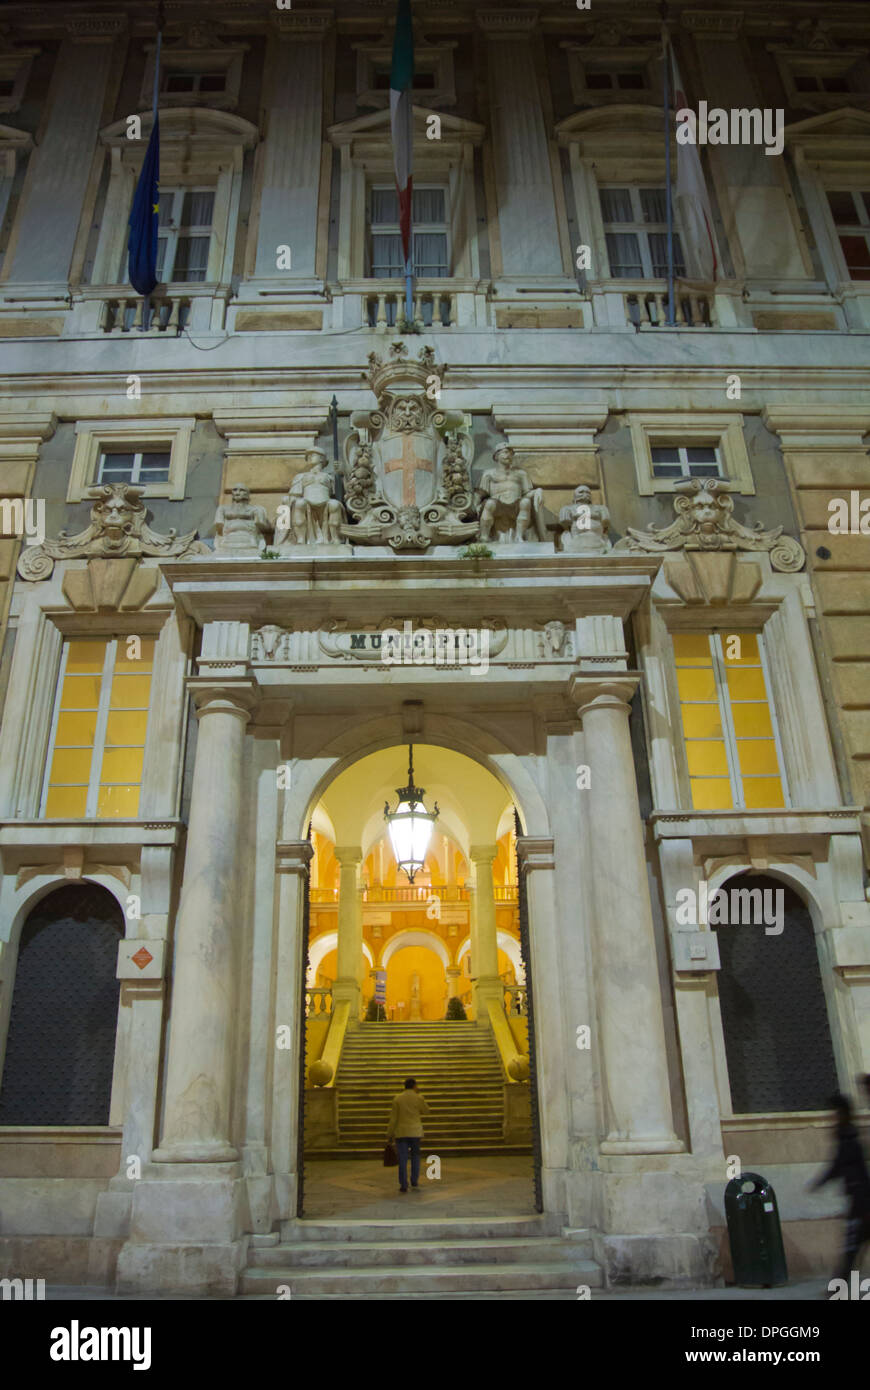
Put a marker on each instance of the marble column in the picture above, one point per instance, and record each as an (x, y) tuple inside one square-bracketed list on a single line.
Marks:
[(485, 942), (346, 987), (454, 973), (196, 1127), (634, 1062)]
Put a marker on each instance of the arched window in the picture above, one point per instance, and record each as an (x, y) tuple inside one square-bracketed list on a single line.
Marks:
[(774, 1018), (60, 1047)]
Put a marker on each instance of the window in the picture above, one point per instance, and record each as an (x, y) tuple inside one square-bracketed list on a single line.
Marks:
[(670, 446), (150, 453), (138, 468), (615, 80), (678, 461), (193, 82), (184, 234), (429, 234), (818, 82), (635, 228), (851, 213), (731, 741), (98, 740)]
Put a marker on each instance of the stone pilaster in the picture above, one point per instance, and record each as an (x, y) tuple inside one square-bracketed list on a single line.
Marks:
[(634, 1061), (292, 863), (825, 458), (527, 225), (290, 172), (59, 175), (346, 988)]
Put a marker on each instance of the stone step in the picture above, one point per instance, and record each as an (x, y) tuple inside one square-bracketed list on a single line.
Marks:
[(382, 1254), (446, 1148), (385, 1281), (399, 1229)]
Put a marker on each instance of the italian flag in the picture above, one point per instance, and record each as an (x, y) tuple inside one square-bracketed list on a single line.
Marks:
[(402, 118)]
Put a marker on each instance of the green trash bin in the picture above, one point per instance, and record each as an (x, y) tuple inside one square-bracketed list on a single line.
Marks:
[(754, 1232)]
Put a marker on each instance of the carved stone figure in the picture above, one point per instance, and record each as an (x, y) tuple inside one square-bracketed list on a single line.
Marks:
[(553, 638), (359, 488), (705, 522), (509, 504), (315, 514), (241, 525), (118, 529), (585, 525)]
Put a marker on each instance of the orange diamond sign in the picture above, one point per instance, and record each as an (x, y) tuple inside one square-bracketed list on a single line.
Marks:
[(142, 957)]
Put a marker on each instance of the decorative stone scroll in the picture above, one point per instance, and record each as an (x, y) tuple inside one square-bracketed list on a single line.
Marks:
[(118, 529), (407, 463), (705, 522)]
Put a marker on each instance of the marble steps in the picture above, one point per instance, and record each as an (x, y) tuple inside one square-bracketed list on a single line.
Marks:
[(380, 1254), (304, 1228), (419, 1259)]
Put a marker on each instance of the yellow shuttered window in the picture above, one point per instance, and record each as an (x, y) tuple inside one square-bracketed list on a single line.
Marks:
[(94, 765), (729, 728)]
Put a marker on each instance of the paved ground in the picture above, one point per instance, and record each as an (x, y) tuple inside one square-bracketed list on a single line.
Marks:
[(364, 1190)]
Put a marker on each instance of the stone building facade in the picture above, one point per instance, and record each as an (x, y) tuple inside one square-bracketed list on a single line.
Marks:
[(193, 650)]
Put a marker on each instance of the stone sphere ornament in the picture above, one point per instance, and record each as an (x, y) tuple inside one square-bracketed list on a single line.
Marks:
[(320, 1073), (518, 1068)]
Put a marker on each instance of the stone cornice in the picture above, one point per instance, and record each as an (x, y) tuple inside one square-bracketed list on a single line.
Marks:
[(293, 856), (818, 426), (536, 852)]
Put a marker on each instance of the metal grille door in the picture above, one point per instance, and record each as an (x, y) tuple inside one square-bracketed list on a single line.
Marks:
[(60, 1049), (774, 1017)]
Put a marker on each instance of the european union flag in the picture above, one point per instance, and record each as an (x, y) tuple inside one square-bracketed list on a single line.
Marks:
[(144, 219)]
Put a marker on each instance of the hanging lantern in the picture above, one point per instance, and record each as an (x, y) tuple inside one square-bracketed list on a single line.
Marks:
[(410, 825)]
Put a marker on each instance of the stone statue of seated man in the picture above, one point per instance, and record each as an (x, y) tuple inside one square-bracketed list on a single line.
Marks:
[(310, 513), (240, 525), (585, 525), (511, 506)]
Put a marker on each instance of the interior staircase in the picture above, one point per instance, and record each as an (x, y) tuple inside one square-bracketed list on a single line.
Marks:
[(462, 1258), (458, 1072)]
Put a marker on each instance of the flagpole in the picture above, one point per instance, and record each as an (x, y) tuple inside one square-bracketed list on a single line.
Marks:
[(149, 307), (669, 198), (409, 292)]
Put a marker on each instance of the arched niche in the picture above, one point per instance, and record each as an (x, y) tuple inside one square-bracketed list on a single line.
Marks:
[(774, 1016), (60, 1048)]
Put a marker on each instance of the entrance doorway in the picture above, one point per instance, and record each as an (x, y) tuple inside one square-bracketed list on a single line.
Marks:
[(426, 979)]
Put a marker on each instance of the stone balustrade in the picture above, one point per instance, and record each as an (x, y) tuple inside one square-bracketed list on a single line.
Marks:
[(318, 1002), (133, 314), (434, 307), (649, 309)]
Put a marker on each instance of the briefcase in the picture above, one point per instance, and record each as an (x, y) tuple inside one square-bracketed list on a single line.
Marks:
[(391, 1158)]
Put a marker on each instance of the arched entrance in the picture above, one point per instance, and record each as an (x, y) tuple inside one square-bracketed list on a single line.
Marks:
[(60, 1047), (425, 978)]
